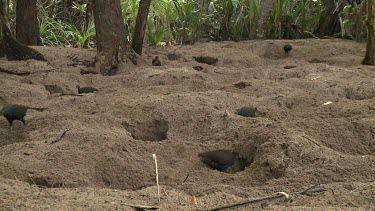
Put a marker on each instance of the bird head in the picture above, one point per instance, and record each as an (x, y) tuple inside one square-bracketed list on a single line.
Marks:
[(78, 87)]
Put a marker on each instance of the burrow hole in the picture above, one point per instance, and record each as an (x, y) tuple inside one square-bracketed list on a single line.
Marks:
[(154, 130)]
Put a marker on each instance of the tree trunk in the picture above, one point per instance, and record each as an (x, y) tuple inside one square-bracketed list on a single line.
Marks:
[(259, 29), (88, 14), (112, 46), (140, 26), (2, 21), (6, 8), (10, 47), (15, 50), (329, 22), (370, 48), (227, 15), (27, 27)]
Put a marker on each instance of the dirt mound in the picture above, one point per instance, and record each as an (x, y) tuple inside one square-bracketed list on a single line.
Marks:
[(314, 124)]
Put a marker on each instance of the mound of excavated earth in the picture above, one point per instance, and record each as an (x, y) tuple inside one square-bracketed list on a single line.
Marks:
[(311, 123)]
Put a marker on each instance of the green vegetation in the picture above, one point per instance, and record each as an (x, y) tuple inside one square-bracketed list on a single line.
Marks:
[(290, 18), (188, 21), (66, 30), (354, 23)]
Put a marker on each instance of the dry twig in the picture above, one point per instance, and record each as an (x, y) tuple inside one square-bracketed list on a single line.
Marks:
[(279, 195), (187, 176), (59, 139), (72, 94), (157, 175), (142, 207), (316, 189), (14, 72)]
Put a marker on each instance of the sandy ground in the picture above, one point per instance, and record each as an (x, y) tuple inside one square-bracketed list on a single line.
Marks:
[(315, 125)]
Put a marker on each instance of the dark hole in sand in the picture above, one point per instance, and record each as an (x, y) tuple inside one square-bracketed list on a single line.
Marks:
[(155, 130), (224, 160)]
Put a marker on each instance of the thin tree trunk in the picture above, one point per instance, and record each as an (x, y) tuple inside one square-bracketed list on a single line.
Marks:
[(2, 21), (329, 22), (27, 27), (88, 13), (112, 46), (14, 5), (6, 9), (370, 48), (140, 26), (227, 14), (259, 29)]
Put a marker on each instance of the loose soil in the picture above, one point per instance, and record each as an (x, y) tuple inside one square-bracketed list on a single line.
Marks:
[(314, 125)]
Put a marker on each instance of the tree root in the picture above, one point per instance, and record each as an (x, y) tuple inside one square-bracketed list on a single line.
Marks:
[(14, 50), (2, 70)]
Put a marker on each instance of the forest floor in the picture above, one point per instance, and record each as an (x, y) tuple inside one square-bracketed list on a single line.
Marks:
[(314, 126)]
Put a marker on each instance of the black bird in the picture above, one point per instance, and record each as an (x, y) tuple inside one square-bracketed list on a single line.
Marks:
[(219, 160), (156, 61), (247, 111), (16, 112), (287, 48), (206, 60), (86, 89)]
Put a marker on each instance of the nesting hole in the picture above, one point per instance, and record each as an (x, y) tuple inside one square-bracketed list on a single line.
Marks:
[(247, 151), (223, 160), (242, 85), (46, 182), (247, 111), (155, 130)]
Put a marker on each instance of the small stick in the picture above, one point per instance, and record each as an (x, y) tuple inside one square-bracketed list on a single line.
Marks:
[(13, 72), (187, 176), (63, 94), (165, 192), (315, 189), (312, 140), (157, 175), (279, 195), (142, 207), (59, 139)]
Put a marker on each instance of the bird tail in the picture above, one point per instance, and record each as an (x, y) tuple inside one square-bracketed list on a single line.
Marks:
[(37, 109)]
